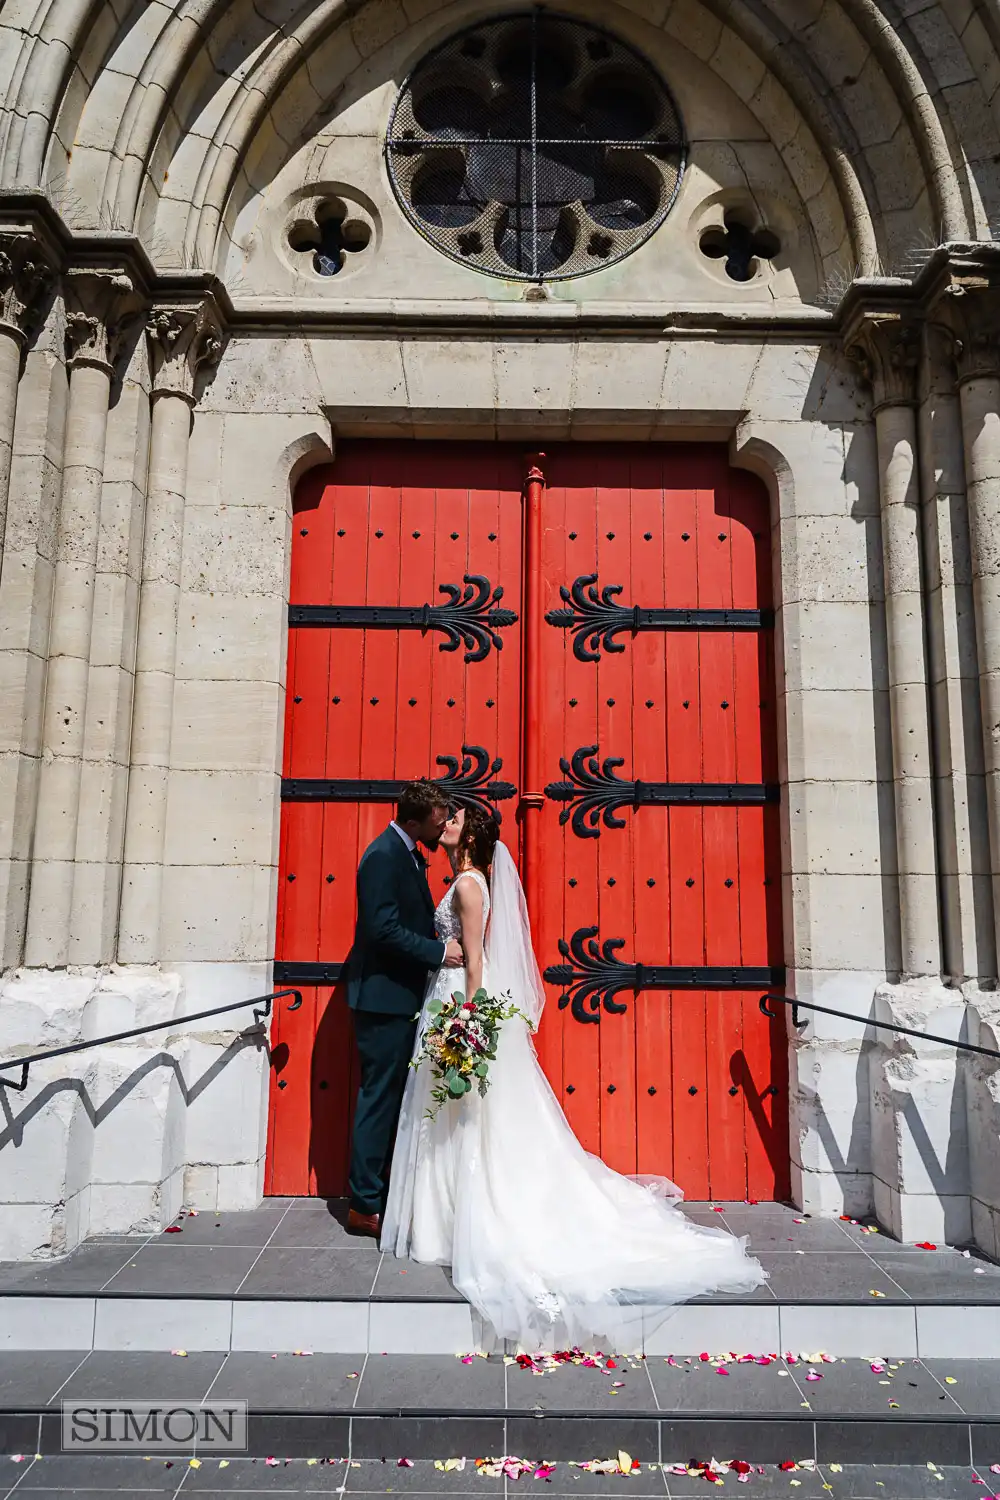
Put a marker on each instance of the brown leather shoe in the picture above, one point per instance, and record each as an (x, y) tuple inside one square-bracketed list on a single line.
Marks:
[(367, 1224)]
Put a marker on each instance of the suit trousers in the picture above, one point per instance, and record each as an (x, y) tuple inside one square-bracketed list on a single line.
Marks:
[(385, 1046)]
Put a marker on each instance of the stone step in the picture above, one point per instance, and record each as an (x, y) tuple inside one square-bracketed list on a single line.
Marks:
[(287, 1276), (54, 1477), (434, 1407)]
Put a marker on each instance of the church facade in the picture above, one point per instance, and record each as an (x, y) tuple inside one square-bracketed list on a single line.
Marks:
[(596, 408)]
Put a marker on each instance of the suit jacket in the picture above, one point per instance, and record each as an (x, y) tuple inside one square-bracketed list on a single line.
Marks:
[(394, 943)]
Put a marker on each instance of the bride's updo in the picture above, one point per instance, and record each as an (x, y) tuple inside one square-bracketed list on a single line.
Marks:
[(480, 832)]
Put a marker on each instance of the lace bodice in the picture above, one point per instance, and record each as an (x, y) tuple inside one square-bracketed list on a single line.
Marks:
[(446, 918)]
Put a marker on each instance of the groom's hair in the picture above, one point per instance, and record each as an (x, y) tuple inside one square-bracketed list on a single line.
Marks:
[(418, 800)]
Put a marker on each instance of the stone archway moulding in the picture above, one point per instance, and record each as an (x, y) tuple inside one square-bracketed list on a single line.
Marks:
[(40, 110)]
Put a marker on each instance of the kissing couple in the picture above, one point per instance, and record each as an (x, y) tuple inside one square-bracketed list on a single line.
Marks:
[(552, 1248)]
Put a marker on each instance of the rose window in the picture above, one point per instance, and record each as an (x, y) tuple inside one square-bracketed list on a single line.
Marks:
[(535, 147)]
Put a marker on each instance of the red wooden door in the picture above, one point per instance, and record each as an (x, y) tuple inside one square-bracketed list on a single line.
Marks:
[(686, 1081)]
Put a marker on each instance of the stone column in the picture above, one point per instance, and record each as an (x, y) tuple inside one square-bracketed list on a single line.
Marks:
[(98, 305), (968, 935), (975, 322), (25, 279), (887, 347), (182, 340)]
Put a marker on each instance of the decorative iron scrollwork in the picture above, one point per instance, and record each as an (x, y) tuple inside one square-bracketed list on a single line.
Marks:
[(593, 976), (594, 793), (596, 619), (471, 618), (467, 784)]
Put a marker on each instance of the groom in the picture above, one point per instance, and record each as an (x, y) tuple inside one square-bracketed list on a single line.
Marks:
[(394, 951)]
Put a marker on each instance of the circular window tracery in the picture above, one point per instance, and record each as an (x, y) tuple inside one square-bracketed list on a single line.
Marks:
[(535, 147)]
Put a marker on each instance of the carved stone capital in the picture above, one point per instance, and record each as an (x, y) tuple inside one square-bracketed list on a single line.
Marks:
[(183, 340), (25, 280), (100, 307), (972, 316), (885, 348)]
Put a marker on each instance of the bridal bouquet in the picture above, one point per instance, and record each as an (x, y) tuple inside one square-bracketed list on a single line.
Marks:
[(460, 1041)]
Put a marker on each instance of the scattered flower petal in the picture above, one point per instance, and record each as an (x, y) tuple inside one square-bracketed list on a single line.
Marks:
[(925, 1245), (404, 1463)]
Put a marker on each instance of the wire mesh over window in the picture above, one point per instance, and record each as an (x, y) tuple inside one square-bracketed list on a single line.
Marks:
[(535, 147)]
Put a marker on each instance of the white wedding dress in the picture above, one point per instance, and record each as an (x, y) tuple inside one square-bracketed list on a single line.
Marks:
[(551, 1247)]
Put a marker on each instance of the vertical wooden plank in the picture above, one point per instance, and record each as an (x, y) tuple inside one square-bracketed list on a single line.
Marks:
[(727, 1156), (570, 552), (291, 1069), (650, 874), (615, 849), (684, 763)]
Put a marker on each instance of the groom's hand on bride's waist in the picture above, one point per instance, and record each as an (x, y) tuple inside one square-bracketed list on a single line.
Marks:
[(454, 958)]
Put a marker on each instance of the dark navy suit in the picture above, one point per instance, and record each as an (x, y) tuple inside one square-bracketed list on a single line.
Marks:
[(394, 950)]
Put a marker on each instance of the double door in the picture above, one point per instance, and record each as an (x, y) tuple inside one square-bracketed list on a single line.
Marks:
[(581, 640)]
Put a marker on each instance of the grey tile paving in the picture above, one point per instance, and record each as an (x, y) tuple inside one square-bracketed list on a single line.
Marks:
[(977, 1385), (852, 1386), (900, 1482), (31, 1379), (575, 1388), (287, 1272), (290, 1382), (826, 1278), (809, 1485), (83, 1473), (253, 1227), (768, 1233), (570, 1480), (407, 1278), (371, 1476), (86, 1270), (321, 1229), (398, 1437), (128, 1375), (295, 1476), (438, 1381), (941, 1276), (697, 1387), (183, 1269)]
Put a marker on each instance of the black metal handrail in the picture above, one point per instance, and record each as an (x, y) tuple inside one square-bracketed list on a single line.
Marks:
[(846, 1015), (260, 1003)]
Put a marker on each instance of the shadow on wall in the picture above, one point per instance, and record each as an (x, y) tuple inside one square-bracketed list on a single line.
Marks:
[(71, 1166)]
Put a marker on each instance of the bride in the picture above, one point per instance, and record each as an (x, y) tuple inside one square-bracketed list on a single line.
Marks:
[(549, 1245)]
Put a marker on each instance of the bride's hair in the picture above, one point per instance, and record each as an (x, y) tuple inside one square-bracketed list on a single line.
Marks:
[(480, 832)]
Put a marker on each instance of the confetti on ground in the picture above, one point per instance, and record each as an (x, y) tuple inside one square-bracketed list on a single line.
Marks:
[(950, 1380), (873, 1293), (180, 1353), (194, 1463)]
